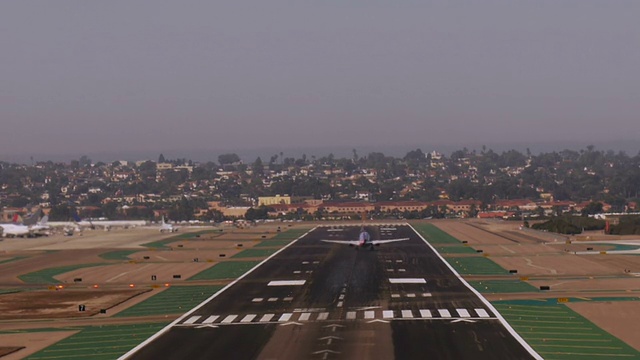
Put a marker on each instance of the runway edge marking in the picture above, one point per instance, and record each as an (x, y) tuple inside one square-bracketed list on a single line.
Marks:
[(187, 314), (482, 298)]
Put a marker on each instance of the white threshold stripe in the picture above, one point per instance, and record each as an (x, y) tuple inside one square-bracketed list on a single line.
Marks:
[(285, 317), (408, 281), (229, 319), (267, 317), (407, 314), (482, 313), (248, 318), (323, 316), (463, 313), (286, 283), (369, 314), (504, 322), (444, 313), (387, 314), (351, 315), (210, 319), (192, 320), (425, 313), (304, 316)]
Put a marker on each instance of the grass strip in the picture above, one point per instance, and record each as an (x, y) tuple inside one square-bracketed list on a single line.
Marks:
[(174, 300)]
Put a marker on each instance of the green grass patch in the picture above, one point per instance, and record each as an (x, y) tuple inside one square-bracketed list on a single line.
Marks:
[(10, 291), (118, 254), (251, 253), (5, 261), (273, 243), (557, 332), (225, 270), (502, 286), (476, 266), (434, 235), (99, 342), (45, 276), (194, 235), (174, 300), (184, 236)]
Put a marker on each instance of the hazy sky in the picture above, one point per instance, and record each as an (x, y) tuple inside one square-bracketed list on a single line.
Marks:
[(118, 76)]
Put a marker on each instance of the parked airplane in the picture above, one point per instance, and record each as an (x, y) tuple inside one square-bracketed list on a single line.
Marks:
[(167, 227), (31, 226), (364, 240), (15, 230)]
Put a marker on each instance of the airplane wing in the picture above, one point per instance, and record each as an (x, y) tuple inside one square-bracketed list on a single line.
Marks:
[(377, 242), (343, 242)]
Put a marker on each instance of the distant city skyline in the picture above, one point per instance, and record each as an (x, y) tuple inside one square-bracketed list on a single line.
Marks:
[(130, 78), (248, 155)]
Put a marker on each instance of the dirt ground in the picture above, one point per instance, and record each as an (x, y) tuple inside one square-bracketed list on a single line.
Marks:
[(567, 264), (621, 319), (60, 303), (135, 273)]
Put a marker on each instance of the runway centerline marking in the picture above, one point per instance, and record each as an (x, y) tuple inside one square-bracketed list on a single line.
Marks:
[(286, 283), (407, 281)]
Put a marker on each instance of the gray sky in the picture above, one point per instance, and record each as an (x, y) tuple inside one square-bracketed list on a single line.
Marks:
[(118, 76)]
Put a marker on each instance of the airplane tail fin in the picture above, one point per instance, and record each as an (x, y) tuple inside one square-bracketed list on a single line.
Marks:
[(163, 222)]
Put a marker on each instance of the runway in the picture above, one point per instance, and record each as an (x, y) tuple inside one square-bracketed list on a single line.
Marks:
[(316, 300)]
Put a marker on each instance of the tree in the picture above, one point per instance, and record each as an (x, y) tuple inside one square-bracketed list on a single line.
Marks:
[(257, 167), (228, 159), (161, 159)]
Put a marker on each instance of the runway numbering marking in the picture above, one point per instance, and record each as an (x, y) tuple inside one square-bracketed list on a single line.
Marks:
[(558, 333)]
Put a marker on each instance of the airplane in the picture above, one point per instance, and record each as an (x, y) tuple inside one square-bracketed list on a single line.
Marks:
[(29, 227), (167, 227), (15, 230), (364, 241)]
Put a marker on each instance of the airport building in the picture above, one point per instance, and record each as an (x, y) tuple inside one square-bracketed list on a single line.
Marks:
[(274, 200)]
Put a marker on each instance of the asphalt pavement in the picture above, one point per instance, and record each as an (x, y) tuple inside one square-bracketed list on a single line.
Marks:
[(317, 300)]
